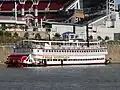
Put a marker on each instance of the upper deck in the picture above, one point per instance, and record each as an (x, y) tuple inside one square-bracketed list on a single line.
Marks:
[(36, 44)]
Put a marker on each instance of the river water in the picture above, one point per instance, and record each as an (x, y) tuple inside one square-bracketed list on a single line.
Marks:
[(93, 77)]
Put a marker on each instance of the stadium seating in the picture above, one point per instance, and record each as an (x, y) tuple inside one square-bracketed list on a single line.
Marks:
[(28, 5), (42, 5), (7, 6), (55, 6)]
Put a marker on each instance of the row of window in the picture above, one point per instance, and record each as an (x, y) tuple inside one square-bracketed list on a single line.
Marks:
[(74, 50), (79, 44), (75, 59), (70, 59)]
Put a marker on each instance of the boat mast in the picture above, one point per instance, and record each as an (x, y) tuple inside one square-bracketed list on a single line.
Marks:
[(87, 34)]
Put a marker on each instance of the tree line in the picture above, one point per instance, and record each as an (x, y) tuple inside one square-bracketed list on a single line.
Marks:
[(8, 37)]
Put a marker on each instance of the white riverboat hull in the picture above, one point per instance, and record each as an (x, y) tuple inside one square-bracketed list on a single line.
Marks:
[(75, 62)]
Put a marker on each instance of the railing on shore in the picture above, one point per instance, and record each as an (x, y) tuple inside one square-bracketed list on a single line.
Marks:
[(7, 45), (113, 42)]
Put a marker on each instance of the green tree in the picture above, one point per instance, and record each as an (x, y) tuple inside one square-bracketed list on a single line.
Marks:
[(26, 28), (26, 35), (107, 38), (3, 27), (8, 34), (99, 38), (56, 36), (37, 36), (15, 34), (90, 37), (1, 33)]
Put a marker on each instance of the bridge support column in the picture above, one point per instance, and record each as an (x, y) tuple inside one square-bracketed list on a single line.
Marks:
[(35, 3), (22, 4)]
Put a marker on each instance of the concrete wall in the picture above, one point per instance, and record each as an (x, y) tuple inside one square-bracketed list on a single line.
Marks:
[(114, 53), (4, 52)]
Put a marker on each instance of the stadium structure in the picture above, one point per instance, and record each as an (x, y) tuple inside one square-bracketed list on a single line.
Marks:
[(99, 15)]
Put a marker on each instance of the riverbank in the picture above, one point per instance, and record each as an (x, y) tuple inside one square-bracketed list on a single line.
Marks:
[(2, 65), (114, 52)]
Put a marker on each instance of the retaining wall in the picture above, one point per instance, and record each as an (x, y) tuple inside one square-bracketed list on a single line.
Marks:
[(4, 52)]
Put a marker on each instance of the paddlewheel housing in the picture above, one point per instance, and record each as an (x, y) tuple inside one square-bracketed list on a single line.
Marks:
[(16, 60)]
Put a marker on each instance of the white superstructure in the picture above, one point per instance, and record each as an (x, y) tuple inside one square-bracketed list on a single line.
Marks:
[(59, 52)]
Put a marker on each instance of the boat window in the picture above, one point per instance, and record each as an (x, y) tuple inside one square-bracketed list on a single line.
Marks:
[(54, 59), (61, 43), (69, 59), (48, 59), (65, 59), (70, 43), (59, 60)]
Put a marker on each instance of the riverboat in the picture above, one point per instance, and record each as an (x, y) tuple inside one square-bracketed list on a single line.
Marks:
[(44, 53)]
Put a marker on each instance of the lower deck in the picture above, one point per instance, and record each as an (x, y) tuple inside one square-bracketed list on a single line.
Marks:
[(42, 60)]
